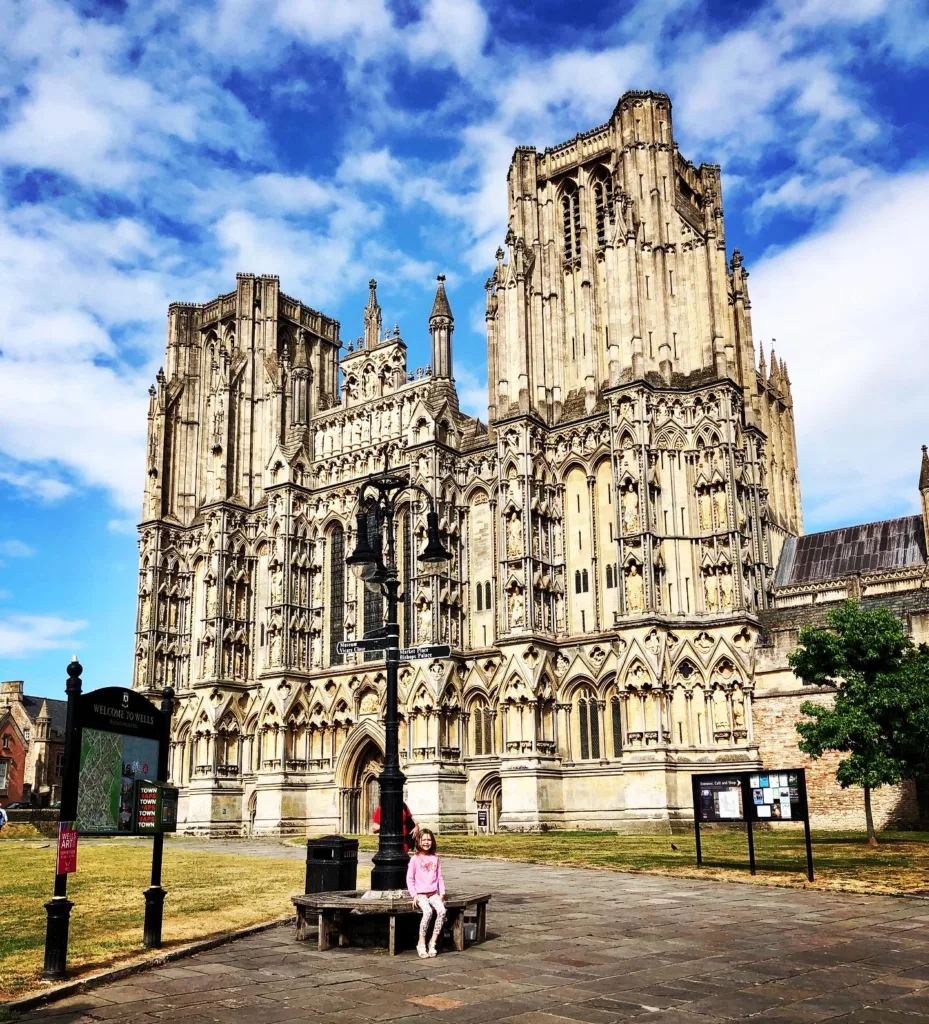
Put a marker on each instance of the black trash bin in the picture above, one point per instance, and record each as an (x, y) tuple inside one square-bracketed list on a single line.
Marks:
[(331, 864)]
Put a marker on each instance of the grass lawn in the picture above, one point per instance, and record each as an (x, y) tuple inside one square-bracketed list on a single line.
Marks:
[(207, 894), (842, 860)]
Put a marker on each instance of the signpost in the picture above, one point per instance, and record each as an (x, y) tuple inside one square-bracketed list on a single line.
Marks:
[(751, 797), (427, 651), (115, 742)]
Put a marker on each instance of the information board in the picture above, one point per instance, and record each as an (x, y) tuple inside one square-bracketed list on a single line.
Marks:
[(155, 808), (778, 796), (120, 735), (482, 819), (719, 797)]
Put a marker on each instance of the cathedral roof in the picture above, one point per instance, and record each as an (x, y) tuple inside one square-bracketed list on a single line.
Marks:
[(441, 307), (891, 544)]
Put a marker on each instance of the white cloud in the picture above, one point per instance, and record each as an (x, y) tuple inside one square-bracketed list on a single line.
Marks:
[(15, 549), (23, 635), (29, 483), (849, 308)]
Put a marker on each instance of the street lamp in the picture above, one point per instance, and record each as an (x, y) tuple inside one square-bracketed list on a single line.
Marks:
[(375, 564)]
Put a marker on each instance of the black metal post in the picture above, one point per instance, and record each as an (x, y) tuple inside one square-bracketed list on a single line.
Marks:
[(806, 825), (58, 908), (747, 809), (695, 791), (155, 894), (391, 861)]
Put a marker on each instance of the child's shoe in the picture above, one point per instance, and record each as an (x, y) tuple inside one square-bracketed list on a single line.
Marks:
[(421, 949), (432, 949)]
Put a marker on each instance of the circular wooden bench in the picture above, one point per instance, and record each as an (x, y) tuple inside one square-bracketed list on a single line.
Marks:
[(334, 913)]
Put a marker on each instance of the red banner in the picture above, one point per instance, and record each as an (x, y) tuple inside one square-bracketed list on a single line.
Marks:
[(67, 848)]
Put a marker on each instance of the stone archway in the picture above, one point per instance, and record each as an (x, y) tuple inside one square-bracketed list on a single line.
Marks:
[(489, 801), (360, 790)]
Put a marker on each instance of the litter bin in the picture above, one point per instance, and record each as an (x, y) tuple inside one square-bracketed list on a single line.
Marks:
[(331, 864)]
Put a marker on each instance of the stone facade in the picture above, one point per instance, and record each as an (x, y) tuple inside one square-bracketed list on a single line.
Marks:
[(31, 746), (614, 528)]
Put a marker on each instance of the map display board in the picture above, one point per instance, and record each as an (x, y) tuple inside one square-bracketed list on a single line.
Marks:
[(155, 808), (719, 797), (120, 735)]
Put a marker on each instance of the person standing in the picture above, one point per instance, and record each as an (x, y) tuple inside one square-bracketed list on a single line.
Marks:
[(410, 829), (427, 889), (3, 818)]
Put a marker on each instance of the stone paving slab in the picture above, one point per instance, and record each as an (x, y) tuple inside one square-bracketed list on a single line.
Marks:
[(566, 946)]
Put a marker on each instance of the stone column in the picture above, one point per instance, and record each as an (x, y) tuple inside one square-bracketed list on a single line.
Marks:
[(601, 729)]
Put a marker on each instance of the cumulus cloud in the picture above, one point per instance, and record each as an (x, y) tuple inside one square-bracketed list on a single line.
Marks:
[(15, 549), (24, 635), (849, 307)]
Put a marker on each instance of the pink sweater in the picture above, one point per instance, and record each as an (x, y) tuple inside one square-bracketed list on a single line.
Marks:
[(424, 876)]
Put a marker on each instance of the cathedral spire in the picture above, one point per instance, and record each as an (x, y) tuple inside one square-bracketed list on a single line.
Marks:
[(373, 319), (441, 326), (924, 493)]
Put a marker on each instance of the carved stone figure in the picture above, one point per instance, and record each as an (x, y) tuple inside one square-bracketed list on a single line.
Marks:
[(630, 510), (514, 535), (424, 622), (710, 592), (515, 604), (719, 507), (635, 590), (145, 611), (274, 648), (725, 590), (703, 505), (212, 602)]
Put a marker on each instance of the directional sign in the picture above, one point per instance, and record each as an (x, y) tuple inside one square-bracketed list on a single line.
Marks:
[(352, 646), (429, 651), (381, 632)]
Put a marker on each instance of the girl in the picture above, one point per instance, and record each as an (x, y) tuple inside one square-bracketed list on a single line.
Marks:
[(427, 889)]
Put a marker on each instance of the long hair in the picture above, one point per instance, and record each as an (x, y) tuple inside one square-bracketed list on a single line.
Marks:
[(419, 839)]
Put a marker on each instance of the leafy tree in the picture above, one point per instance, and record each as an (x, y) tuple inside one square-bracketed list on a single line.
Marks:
[(866, 655)]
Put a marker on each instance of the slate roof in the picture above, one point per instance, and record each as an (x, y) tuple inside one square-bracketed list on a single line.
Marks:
[(891, 544), (57, 709)]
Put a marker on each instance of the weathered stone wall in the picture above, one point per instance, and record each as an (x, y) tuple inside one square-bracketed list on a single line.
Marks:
[(831, 806)]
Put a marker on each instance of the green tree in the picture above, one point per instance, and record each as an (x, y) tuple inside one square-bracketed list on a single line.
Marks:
[(864, 654)]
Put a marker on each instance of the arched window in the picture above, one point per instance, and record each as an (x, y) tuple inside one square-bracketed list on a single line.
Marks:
[(487, 593), (480, 597), (603, 207), (577, 581), (617, 722), (588, 720), (336, 592), (483, 730), (585, 581), (571, 220), (610, 577)]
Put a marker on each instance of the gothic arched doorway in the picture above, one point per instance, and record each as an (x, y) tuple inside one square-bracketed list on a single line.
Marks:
[(360, 793), (489, 800)]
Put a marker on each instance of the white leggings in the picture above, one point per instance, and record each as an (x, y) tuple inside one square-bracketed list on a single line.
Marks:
[(429, 905)]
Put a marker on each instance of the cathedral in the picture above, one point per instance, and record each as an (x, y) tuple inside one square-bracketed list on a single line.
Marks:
[(627, 572)]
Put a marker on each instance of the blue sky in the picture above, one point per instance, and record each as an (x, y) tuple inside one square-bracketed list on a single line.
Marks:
[(149, 150)]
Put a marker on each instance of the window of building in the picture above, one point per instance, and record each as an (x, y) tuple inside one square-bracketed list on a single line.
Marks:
[(480, 597), (610, 577), (588, 718), (27, 734), (617, 719), (4, 766), (6, 741), (336, 593), (487, 593), (577, 581), (571, 222), (483, 730), (585, 581), (59, 762), (603, 207)]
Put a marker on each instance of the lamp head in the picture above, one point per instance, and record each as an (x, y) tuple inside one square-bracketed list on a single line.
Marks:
[(363, 560), (435, 549)]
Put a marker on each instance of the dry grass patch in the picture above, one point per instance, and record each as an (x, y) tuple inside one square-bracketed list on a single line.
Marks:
[(207, 894), (842, 860)]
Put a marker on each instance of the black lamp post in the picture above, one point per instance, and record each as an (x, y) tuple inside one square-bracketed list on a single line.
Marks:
[(374, 563)]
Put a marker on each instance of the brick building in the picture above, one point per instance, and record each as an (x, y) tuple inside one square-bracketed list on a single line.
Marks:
[(31, 746)]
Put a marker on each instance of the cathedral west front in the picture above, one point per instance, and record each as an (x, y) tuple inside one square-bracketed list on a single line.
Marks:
[(627, 570)]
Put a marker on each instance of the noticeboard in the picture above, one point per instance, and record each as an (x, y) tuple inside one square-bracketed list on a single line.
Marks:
[(482, 817), (719, 797), (778, 796), (120, 733)]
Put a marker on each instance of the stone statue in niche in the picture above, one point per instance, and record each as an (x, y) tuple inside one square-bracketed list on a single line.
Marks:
[(725, 589), (145, 613), (140, 672), (711, 595), (514, 535), (719, 505), (316, 646), (369, 703), (516, 607), (212, 603), (738, 709), (720, 711), (424, 622), (274, 648), (630, 510), (703, 505), (237, 661), (635, 590)]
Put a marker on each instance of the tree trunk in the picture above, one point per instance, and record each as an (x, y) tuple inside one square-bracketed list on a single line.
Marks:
[(922, 803), (868, 816)]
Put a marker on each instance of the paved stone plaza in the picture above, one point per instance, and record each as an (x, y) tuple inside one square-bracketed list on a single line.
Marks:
[(568, 945)]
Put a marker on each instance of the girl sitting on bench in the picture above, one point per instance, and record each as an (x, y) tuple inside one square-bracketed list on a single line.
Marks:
[(427, 889)]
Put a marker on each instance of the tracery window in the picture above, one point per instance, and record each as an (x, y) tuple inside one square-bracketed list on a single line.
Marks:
[(581, 581), (336, 592), (487, 593), (610, 577), (603, 207), (480, 597), (571, 221), (588, 720), (617, 722), (483, 729)]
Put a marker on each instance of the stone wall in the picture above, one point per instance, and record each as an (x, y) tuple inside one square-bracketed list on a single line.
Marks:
[(775, 717), (44, 821)]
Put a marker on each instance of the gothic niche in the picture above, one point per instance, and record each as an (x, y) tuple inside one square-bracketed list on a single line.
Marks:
[(630, 507), (635, 588)]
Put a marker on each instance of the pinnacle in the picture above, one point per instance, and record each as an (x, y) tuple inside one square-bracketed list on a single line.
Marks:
[(924, 471), (441, 307)]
